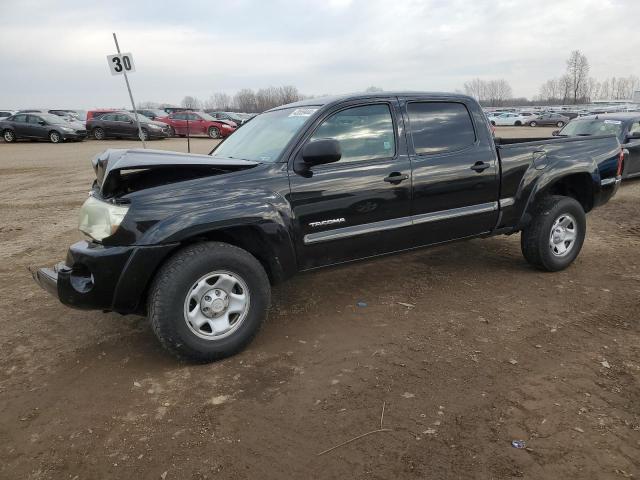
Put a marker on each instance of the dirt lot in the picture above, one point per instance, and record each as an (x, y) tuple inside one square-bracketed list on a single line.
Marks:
[(488, 351)]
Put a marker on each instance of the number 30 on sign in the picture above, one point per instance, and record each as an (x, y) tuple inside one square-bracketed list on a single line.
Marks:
[(121, 63)]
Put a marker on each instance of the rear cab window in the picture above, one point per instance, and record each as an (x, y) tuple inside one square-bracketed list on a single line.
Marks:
[(365, 132), (440, 127)]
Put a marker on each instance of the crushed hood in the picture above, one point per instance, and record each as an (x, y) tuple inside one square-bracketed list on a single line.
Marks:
[(112, 165)]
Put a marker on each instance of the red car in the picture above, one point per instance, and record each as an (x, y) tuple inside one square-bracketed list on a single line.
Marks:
[(198, 123)]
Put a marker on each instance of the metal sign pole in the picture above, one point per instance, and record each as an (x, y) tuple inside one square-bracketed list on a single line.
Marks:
[(133, 104), (188, 136)]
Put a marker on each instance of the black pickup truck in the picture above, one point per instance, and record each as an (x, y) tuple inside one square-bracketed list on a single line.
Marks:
[(195, 241)]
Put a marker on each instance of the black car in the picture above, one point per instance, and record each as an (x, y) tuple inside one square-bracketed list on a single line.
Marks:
[(625, 126), (195, 241), (123, 125), (41, 126), (152, 113)]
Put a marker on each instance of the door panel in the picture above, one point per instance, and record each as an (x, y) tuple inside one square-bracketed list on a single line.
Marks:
[(35, 129), (633, 160), (455, 171), (347, 210)]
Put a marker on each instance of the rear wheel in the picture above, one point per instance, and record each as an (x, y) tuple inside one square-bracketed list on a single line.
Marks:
[(9, 136), (560, 124), (555, 236), (55, 137), (98, 133), (533, 123), (518, 123), (214, 132), (208, 301)]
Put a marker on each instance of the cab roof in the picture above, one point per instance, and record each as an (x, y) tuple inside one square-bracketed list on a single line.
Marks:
[(328, 100)]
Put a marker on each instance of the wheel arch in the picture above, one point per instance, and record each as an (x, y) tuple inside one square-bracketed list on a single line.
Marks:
[(576, 185)]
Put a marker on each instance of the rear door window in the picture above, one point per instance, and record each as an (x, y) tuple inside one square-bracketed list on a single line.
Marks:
[(438, 127), (364, 132), (20, 118)]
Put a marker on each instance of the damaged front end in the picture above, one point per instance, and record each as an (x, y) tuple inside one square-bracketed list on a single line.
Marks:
[(119, 172), (110, 270)]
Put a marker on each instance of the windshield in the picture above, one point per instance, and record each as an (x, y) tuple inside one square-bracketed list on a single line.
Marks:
[(592, 126), (264, 138)]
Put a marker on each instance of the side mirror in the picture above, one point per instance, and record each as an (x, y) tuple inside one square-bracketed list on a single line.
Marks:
[(42, 122), (555, 133), (319, 152), (633, 136)]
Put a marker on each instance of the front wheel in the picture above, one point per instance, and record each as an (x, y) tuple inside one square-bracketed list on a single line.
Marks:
[(208, 301), (554, 238), (214, 132), (55, 137), (533, 124)]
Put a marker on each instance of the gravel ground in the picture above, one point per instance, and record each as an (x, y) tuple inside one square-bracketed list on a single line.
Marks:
[(464, 347)]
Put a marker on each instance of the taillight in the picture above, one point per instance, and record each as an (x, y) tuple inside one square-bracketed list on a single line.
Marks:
[(620, 163)]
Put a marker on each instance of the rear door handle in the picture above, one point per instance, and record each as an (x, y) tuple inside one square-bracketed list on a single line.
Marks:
[(480, 166), (395, 178)]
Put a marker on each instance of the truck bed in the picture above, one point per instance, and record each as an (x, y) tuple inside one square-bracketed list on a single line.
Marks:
[(524, 161)]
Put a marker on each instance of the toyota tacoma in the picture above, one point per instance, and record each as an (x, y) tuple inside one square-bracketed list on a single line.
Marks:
[(196, 241)]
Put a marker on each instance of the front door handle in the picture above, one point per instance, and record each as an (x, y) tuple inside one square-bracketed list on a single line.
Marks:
[(395, 178), (480, 166)]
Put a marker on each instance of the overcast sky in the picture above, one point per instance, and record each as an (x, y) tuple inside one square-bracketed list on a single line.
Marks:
[(56, 57)]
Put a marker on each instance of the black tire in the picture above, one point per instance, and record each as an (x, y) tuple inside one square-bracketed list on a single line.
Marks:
[(535, 239), (55, 137), (9, 136), (172, 132), (173, 285), (518, 123), (493, 123), (99, 134), (214, 132), (533, 123), (560, 124)]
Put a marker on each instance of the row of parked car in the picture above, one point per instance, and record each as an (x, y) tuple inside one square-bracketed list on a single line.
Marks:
[(64, 125), (551, 116)]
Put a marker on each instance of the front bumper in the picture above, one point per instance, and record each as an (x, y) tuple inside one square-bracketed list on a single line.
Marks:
[(103, 278), (80, 135)]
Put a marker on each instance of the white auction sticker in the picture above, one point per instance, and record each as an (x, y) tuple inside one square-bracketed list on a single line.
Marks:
[(303, 112), (613, 122)]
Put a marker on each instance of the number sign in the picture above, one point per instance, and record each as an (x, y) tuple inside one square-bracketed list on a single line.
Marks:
[(121, 63)]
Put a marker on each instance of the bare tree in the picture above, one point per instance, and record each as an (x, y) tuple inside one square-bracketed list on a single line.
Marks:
[(245, 101), (190, 102), (493, 93), (476, 88), (148, 104), (219, 101), (578, 74), (497, 92)]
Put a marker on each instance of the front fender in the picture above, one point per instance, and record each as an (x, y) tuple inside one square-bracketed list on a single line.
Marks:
[(268, 226)]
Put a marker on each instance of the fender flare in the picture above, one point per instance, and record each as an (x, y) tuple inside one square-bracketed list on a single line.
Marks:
[(271, 226)]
